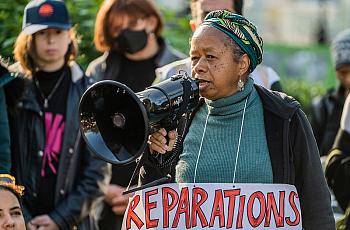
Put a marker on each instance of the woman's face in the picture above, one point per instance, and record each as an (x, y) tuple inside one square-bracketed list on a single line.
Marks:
[(10, 212), (51, 46), (132, 35), (343, 74), (213, 63), (122, 22)]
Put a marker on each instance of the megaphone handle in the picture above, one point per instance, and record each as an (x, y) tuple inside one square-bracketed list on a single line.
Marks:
[(162, 180)]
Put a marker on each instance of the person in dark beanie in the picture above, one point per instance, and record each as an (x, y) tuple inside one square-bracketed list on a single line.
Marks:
[(327, 109), (65, 183)]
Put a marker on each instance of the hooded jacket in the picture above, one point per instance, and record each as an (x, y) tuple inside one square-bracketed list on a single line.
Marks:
[(293, 153), (81, 178)]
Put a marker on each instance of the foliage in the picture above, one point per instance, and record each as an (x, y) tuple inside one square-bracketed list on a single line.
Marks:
[(11, 18), (303, 91), (177, 32)]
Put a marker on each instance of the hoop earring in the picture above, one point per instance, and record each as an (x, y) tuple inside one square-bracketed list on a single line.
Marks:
[(240, 85)]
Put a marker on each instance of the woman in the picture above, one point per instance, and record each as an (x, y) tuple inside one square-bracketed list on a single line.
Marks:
[(129, 34), (235, 113), (11, 216), (66, 182)]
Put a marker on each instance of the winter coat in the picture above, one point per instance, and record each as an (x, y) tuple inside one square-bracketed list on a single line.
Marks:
[(325, 118), (81, 178), (293, 153)]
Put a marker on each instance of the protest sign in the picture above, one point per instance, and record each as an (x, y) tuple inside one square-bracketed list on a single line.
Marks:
[(214, 206)]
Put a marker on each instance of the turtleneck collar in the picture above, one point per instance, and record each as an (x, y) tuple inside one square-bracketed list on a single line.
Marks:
[(230, 104)]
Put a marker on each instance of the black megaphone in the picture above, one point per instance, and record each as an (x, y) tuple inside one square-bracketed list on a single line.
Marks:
[(116, 122)]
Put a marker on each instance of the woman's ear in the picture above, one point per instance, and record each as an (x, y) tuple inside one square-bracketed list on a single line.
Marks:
[(152, 23), (193, 25), (244, 64), (71, 35)]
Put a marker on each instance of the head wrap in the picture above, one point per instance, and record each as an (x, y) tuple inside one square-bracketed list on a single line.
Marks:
[(340, 48), (242, 31), (9, 182)]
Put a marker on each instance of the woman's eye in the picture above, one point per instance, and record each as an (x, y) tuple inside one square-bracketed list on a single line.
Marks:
[(210, 56), (194, 58), (17, 213)]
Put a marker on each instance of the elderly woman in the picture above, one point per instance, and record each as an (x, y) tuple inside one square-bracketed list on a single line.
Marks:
[(11, 216), (234, 113)]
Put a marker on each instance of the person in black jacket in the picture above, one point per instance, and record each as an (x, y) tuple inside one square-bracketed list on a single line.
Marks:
[(129, 34), (327, 109), (241, 132), (65, 183)]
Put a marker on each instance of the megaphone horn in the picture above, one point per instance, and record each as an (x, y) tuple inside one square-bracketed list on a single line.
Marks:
[(115, 121)]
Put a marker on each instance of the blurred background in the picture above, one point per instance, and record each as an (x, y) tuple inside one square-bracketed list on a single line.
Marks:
[(296, 36)]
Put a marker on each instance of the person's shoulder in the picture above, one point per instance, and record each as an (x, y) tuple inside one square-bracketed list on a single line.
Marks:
[(96, 64), (322, 100), (167, 54), (265, 76), (78, 76), (170, 69), (17, 68), (277, 102)]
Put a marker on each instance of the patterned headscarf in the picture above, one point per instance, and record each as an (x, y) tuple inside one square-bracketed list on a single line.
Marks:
[(242, 31)]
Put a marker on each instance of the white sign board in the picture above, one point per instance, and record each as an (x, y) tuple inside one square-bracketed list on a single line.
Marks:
[(214, 206)]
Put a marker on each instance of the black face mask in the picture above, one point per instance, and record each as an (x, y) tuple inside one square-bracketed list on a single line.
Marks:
[(131, 42)]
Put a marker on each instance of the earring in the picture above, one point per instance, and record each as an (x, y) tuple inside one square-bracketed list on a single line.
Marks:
[(240, 85)]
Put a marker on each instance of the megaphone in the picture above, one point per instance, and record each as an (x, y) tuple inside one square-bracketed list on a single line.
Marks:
[(116, 122)]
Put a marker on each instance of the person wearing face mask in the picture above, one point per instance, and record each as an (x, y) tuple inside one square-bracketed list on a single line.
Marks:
[(129, 34)]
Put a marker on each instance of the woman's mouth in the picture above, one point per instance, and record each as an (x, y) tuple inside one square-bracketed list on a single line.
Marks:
[(203, 84), (51, 51)]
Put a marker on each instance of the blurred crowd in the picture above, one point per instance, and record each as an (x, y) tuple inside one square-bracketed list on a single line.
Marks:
[(50, 179)]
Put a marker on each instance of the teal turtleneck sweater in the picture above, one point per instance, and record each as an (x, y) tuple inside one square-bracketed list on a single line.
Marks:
[(218, 153)]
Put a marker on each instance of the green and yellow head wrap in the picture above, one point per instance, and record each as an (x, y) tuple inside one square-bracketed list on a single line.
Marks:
[(242, 31)]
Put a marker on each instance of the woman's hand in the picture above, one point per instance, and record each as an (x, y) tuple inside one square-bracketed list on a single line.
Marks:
[(157, 142), (44, 222), (115, 198)]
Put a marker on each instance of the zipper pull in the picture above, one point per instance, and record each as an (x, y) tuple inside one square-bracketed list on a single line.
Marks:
[(46, 103)]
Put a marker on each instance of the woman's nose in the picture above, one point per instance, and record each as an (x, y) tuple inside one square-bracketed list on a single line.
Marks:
[(49, 37), (200, 66), (9, 222)]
